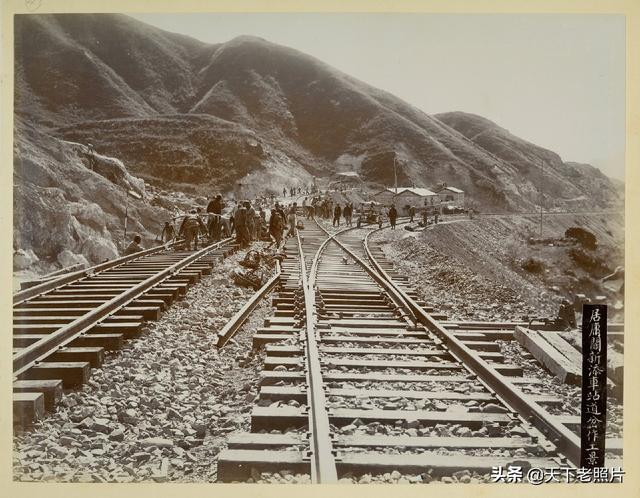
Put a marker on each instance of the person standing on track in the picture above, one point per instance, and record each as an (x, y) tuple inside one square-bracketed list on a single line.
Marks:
[(242, 232), (276, 225), (393, 216), (292, 218), (337, 211), (189, 229), (251, 221), (214, 208), (347, 212)]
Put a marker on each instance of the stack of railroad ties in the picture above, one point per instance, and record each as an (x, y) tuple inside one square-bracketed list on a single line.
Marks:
[(361, 380), (63, 326)]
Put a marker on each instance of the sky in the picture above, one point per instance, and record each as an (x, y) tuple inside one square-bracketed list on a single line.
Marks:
[(553, 79)]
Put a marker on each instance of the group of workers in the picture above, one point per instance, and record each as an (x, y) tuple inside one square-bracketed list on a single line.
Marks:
[(298, 191), (249, 221), (253, 221)]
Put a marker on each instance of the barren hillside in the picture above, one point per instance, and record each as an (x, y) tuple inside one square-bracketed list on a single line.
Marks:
[(178, 110), (188, 116)]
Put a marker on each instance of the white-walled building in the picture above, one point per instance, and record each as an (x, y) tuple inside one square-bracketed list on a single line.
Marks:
[(407, 196), (450, 195)]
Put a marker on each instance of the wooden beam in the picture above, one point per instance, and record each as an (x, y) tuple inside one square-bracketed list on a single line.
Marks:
[(548, 355)]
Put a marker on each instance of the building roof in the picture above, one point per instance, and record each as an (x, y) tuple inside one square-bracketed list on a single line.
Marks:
[(351, 174), (422, 192), (455, 190)]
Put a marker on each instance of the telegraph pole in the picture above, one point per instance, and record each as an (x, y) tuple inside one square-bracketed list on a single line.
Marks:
[(541, 196), (395, 173)]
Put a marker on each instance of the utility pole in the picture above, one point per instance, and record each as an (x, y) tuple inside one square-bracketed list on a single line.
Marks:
[(135, 195), (395, 173), (540, 191)]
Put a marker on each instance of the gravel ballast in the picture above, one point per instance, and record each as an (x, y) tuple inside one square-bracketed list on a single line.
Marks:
[(160, 408)]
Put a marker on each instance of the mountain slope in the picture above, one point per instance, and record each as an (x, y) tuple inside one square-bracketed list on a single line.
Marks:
[(186, 115), (76, 67), (562, 183)]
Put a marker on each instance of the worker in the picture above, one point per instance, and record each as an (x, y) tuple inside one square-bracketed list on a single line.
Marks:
[(412, 213), (292, 219), (203, 230), (251, 221), (216, 205), (214, 209), (276, 226), (91, 154), (347, 212), (168, 233), (189, 229), (242, 232), (263, 230), (134, 246), (393, 216), (566, 315), (336, 214)]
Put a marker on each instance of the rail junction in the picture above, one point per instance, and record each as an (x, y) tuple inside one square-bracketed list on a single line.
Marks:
[(349, 346)]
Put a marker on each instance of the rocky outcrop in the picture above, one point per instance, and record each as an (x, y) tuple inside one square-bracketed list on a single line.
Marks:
[(65, 213)]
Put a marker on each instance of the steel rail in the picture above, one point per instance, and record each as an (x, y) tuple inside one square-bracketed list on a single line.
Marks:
[(565, 440), (52, 284), (233, 325), (27, 357), (390, 289), (323, 464)]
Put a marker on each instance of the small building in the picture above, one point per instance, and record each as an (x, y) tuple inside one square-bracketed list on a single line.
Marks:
[(385, 197), (450, 195), (407, 196), (416, 197)]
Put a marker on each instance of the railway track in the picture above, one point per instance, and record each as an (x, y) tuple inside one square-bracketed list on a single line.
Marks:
[(361, 380), (63, 327)]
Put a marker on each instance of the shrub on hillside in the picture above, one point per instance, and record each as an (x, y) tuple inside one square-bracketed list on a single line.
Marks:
[(583, 237), (532, 265), (588, 262)]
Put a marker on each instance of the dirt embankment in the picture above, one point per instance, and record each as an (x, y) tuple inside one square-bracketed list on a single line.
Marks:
[(498, 268)]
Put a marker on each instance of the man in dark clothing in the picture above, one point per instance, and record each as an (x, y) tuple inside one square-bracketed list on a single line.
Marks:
[(567, 315), (393, 216), (276, 225), (412, 213), (336, 215), (189, 229), (251, 221), (134, 247), (214, 209), (347, 212), (216, 205), (242, 230)]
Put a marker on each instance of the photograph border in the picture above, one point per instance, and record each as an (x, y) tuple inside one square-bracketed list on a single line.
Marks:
[(629, 8)]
